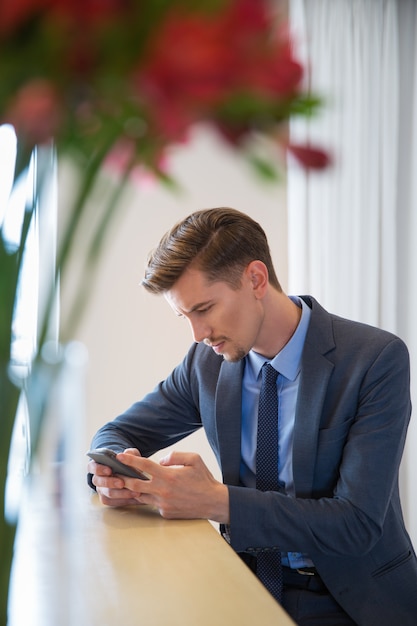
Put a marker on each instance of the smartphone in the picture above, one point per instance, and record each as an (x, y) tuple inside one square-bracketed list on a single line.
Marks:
[(105, 456)]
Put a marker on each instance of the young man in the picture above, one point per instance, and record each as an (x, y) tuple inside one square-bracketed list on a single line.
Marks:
[(344, 408)]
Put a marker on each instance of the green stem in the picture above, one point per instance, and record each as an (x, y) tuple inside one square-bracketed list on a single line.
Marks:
[(11, 263), (94, 253), (9, 395), (72, 227)]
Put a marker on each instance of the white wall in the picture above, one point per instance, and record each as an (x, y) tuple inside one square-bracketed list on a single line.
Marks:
[(133, 338)]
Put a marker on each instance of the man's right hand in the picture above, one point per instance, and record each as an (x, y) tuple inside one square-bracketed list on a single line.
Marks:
[(111, 487)]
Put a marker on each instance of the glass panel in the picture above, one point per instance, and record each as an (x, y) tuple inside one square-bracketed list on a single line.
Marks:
[(37, 274)]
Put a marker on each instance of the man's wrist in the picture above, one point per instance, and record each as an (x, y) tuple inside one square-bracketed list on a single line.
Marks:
[(220, 512)]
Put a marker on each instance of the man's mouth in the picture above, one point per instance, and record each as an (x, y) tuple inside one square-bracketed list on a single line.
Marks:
[(216, 346)]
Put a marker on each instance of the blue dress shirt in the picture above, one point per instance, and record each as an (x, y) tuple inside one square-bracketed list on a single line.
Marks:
[(288, 363)]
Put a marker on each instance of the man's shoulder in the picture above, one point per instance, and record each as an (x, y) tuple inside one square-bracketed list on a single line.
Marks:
[(343, 329)]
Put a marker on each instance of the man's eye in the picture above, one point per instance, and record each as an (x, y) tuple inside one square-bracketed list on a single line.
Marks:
[(207, 308)]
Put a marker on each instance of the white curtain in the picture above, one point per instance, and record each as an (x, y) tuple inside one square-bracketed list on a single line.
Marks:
[(353, 228)]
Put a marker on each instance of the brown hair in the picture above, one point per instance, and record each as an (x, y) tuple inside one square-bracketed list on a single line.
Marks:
[(220, 242)]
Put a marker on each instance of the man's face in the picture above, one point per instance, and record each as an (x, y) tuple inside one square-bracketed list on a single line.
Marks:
[(229, 320)]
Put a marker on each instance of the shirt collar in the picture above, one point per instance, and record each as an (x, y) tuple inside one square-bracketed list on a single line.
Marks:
[(288, 360)]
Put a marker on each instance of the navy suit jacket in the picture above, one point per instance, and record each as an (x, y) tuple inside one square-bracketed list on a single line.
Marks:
[(353, 409)]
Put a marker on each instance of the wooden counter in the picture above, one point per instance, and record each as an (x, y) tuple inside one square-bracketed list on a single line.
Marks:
[(97, 566)]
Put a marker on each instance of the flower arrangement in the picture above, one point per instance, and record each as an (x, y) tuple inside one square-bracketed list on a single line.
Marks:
[(105, 80), (91, 73)]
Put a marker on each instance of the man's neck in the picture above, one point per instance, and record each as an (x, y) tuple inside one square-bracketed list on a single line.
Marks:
[(282, 317)]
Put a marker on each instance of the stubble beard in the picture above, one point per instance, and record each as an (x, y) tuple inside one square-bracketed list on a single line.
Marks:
[(236, 356)]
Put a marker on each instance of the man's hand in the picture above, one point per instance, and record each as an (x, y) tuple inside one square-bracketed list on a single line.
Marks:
[(181, 487), (111, 487)]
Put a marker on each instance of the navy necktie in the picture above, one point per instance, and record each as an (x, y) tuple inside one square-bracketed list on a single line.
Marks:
[(269, 568)]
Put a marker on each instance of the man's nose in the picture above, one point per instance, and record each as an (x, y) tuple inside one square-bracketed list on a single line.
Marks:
[(199, 330)]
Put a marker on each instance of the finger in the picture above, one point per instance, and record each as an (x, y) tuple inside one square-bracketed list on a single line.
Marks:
[(108, 482), (139, 463), (144, 499), (133, 451), (116, 493), (99, 469), (115, 502), (177, 457)]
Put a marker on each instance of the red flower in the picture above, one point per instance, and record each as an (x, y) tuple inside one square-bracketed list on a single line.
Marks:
[(195, 63), (264, 58), (14, 12), (185, 72), (163, 66), (89, 10), (310, 157), (274, 72), (35, 112)]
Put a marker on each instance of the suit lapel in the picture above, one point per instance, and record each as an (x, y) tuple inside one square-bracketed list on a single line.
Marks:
[(311, 396), (228, 419), (316, 370)]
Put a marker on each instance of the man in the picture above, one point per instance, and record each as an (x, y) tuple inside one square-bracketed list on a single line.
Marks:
[(344, 407)]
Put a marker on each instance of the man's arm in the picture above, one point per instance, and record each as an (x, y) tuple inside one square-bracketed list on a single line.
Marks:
[(160, 419)]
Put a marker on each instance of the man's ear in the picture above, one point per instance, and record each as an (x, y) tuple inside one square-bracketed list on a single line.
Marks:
[(257, 273)]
